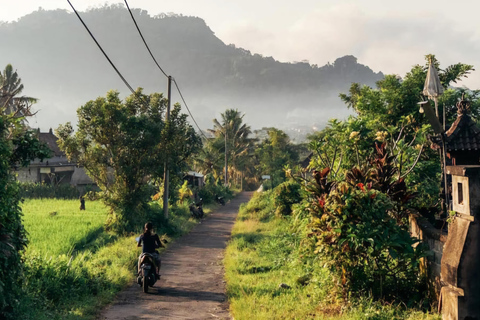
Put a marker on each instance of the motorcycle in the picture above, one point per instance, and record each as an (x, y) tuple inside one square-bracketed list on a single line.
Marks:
[(146, 273), (196, 209), (220, 200)]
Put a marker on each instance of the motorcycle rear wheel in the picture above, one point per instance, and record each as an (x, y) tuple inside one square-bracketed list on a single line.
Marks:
[(145, 284)]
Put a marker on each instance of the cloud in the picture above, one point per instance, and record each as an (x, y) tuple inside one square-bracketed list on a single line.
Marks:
[(388, 41)]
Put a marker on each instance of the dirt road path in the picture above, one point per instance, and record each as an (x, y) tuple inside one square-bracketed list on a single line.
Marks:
[(192, 284)]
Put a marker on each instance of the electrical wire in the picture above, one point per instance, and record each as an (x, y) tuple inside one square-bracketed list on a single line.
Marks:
[(101, 49), (151, 54), (186, 106), (145, 42), (118, 72)]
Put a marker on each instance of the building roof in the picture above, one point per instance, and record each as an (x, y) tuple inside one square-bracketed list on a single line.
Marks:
[(194, 174), (51, 140), (463, 135)]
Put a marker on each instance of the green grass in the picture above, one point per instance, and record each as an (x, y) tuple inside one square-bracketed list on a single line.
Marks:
[(265, 251), (58, 227), (73, 267)]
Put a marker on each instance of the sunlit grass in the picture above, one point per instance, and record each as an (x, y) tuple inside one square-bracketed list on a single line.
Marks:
[(265, 252), (73, 267), (58, 226)]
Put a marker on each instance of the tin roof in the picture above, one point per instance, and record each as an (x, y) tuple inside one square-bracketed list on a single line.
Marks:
[(463, 135), (194, 174)]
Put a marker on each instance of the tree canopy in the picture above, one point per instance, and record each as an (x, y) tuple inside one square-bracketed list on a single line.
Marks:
[(123, 146), (18, 146)]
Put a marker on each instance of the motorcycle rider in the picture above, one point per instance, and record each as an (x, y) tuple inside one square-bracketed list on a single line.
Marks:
[(149, 242)]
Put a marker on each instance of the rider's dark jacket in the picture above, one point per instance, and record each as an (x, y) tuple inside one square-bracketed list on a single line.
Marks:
[(149, 242)]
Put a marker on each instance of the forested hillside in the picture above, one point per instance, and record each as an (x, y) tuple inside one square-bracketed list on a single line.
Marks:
[(62, 67)]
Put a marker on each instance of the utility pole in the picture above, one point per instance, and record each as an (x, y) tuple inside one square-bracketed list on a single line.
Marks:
[(226, 159), (166, 175)]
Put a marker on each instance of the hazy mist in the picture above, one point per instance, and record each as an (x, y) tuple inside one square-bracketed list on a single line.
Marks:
[(61, 65)]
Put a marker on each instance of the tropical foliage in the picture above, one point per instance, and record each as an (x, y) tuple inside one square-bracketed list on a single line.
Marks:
[(274, 154), (360, 225), (11, 87), (232, 138), (17, 147), (124, 144)]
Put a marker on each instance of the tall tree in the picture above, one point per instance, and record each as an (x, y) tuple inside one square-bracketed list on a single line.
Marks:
[(10, 89), (18, 146), (232, 133), (389, 113), (274, 153), (209, 159), (123, 144)]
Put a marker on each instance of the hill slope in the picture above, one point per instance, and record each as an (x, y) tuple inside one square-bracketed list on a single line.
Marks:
[(61, 65)]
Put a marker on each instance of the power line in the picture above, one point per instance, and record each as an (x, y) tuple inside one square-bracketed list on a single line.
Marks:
[(101, 49), (141, 35), (151, 54), (118, 72), (186, 106)]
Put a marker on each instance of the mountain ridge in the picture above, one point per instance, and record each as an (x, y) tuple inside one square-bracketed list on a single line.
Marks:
[(61, 65)]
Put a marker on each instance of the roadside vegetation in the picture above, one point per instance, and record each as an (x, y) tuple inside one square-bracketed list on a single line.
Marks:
[(327, 241), (59, 262), (272, 273), (72, 265), (333, 241)]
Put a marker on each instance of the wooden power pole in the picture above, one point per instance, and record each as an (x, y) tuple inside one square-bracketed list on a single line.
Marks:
[(166, 176)]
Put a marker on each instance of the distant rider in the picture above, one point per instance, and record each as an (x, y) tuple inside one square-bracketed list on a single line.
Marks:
[(149, 242)]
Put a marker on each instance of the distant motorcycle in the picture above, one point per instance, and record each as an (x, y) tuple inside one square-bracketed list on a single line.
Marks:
[(220, 200), (196, 209), (146, 273)]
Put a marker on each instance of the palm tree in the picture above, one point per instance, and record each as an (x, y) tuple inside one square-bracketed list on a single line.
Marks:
[(10, 88), (209, 160), (232, 135)]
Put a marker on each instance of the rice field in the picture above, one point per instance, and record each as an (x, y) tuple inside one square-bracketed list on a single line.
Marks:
[(72, 266), (57, 227)]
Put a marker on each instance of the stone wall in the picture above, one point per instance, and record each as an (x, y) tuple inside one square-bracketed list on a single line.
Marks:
[(435, 239), (28, 175)]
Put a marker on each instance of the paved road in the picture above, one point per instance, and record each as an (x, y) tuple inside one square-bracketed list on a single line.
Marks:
[(192, 285)]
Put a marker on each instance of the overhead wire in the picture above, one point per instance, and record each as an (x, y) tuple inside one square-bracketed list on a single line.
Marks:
[(151, 54), (146, 45), (186, 106), (145, 42), (101, 49)]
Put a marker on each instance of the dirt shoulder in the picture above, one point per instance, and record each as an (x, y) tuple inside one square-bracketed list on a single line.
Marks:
[(192, 284)]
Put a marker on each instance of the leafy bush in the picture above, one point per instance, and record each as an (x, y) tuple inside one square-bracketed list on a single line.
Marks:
[(287, 194), (212, 189), (359, 226), (12, 235), (367, 249), (184, 193)]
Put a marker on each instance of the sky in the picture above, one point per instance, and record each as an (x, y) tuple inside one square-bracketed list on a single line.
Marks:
[(388, 36)]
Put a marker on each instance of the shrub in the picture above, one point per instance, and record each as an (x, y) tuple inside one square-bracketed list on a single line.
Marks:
[(212, 189), (287, 194), (184, 193), (359, 227), (368, 251), (30, 190)]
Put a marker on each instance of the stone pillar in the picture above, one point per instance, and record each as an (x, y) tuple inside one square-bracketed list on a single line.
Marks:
[(460, 268)]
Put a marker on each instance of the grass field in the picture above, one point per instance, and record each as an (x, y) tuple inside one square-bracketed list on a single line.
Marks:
[(270, 276), (58, 227), (73, 267)]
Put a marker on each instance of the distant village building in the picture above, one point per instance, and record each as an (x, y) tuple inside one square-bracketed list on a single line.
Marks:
[(55, 170), (195, 179)]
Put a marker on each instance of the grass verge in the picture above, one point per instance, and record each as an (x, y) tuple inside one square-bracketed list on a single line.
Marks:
[(270, 275)]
